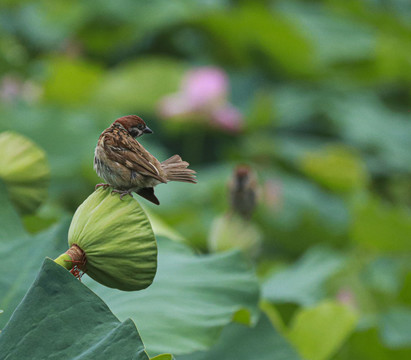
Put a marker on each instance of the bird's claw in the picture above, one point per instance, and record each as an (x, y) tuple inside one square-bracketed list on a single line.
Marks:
[(122, 193), (104, 186)]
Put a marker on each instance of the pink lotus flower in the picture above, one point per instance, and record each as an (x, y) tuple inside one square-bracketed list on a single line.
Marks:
[(228, 118), (203, 96), (205, 86)]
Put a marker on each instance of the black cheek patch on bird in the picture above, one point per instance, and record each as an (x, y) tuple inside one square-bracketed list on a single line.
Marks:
[(134, 132)]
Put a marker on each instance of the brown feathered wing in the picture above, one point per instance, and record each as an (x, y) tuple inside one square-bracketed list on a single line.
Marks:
[(130, 153)]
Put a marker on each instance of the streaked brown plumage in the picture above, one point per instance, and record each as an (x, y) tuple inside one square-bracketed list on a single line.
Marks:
[(128, 167)]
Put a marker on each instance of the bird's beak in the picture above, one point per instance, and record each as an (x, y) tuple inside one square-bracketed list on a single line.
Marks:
[(147, 130)]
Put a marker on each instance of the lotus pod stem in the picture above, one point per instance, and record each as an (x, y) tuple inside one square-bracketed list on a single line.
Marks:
[(73, 256)]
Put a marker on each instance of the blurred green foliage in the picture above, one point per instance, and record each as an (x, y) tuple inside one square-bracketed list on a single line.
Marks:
[(323, 87)]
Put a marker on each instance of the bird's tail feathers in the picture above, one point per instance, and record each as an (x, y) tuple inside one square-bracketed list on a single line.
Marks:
[(176, 170)]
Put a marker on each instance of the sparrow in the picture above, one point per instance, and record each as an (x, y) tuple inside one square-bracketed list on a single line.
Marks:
[(243, 191), (125, 165)]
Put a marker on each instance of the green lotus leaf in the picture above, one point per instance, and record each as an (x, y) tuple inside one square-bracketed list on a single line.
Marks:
[(117, 239), (25, 171), (318, 332), (239, 342), (192, 299), (60, 318), (336, 167)]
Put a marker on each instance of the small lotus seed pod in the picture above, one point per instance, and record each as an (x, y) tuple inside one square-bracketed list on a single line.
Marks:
[(25, 171), (117, 240), (233, 232)]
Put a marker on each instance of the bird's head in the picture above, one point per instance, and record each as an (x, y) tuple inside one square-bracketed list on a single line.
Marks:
[(242, 177), (134, 124)]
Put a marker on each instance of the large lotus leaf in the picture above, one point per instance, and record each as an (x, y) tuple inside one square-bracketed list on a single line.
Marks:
[(320, 331), (393, 51), (366, 122), (381, 227), (60, 318), (70, 82), (335, 167), (303, 282), (20, 255), (191, 299), (237, 342), (365, 344), (11, 231), (20, 259)]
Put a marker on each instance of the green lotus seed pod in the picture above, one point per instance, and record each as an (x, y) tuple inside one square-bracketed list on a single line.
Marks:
[(117, 239), (233, 232), (24, 170)]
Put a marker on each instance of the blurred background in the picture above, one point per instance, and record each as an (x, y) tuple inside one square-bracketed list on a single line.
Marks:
[(295, 114)]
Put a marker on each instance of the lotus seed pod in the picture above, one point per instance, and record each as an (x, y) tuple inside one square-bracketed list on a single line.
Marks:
[(117, 239), (233, 232), (25, 171)]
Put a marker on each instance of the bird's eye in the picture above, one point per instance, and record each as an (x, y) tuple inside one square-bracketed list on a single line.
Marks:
[(140, 126)]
